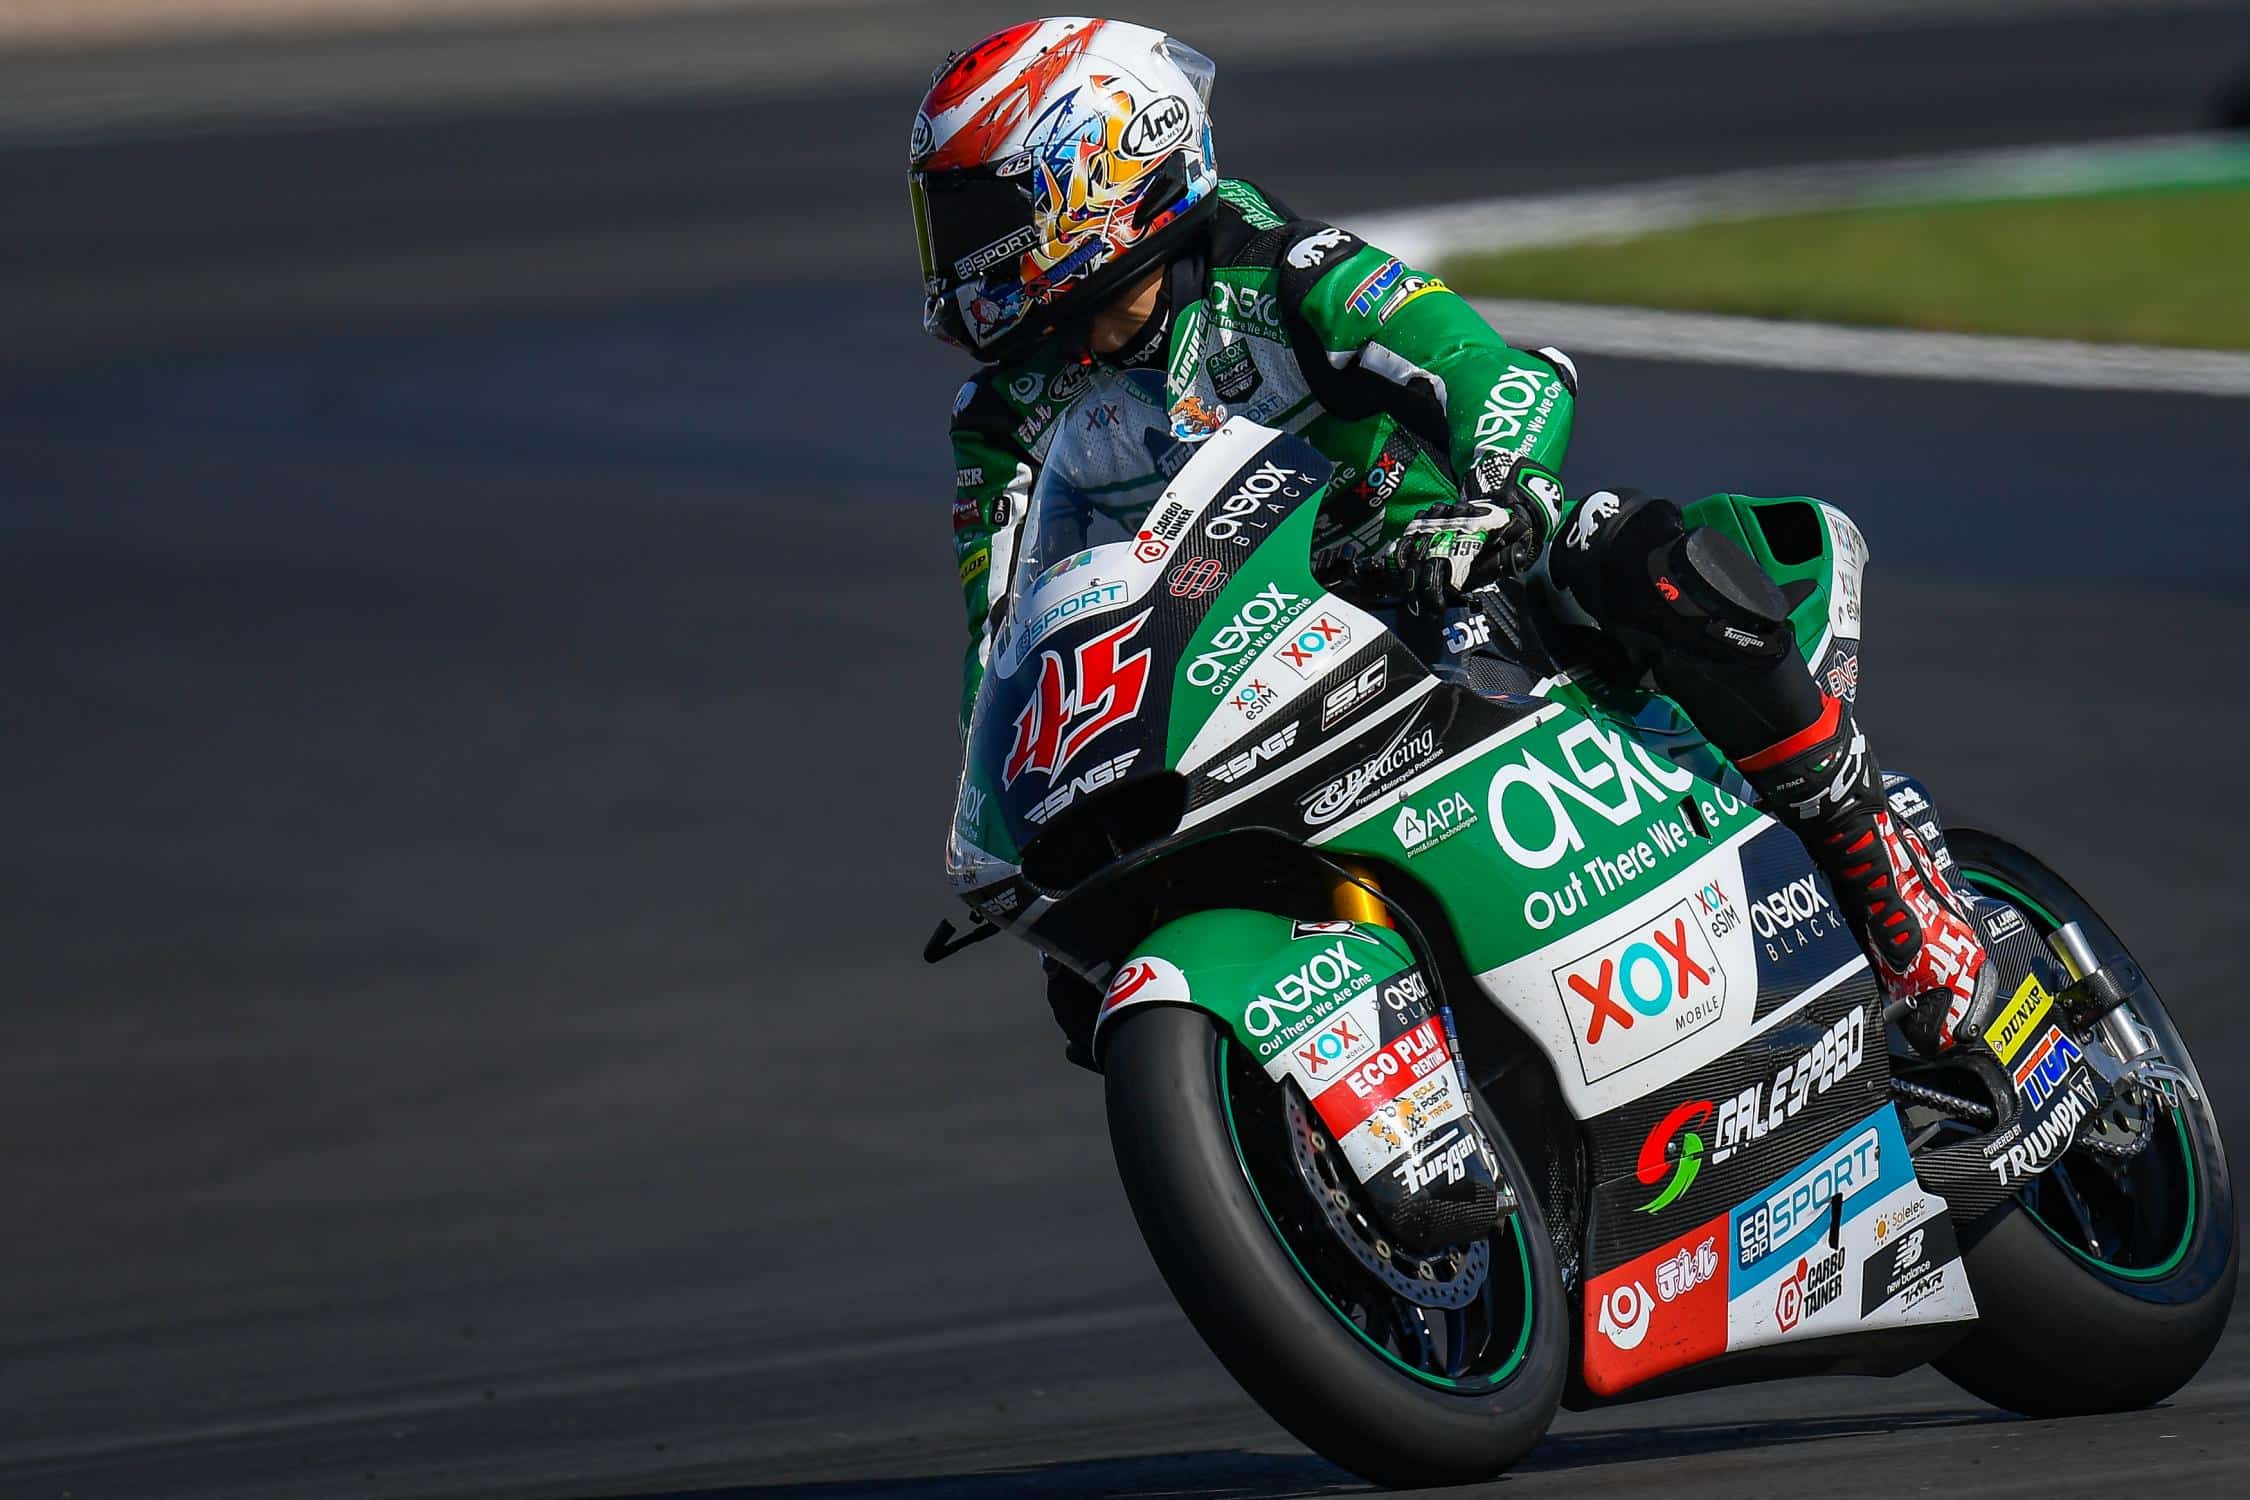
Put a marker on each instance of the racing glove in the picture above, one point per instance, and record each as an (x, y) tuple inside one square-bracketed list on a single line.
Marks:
[(1508, 509)]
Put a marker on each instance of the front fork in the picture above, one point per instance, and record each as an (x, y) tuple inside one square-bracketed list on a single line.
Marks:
[(1356, 896)]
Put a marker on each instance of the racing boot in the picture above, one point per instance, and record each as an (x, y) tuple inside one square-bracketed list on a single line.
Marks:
[(1927, 950)]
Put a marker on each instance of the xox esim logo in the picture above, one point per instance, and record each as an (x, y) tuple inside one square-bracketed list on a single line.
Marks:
[(1656, 1156), (1061, 720)]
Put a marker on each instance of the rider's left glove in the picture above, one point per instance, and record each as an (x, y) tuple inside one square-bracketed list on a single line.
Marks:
[(1507, 511)]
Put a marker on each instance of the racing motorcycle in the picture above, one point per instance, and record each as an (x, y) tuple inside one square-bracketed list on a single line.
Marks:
[(1474, 1046)]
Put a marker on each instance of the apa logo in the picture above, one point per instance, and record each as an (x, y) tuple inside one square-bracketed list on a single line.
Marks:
[(1657, 1154), (1624, 1314), (1307, 654), (1537, 827), (1340, 1042), (1061, 719), (1665, 972), (1421, 828)]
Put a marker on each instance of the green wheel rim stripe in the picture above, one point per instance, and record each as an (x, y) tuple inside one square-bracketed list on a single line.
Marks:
[(1515, 1229), (2171, 1262)]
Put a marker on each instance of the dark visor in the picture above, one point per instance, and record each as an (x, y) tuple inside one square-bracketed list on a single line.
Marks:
[(972, 222)]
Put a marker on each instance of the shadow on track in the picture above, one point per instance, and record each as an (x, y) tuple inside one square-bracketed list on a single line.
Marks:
[(1235, 1475)]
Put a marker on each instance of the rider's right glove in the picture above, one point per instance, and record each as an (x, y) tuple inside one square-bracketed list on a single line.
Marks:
[(1507, 511)]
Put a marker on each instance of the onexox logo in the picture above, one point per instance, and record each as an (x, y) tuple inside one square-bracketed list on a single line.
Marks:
[(1657, 985)]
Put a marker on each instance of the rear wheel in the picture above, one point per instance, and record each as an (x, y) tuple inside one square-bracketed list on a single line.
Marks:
[(1409, 1372), (2106, 1284)]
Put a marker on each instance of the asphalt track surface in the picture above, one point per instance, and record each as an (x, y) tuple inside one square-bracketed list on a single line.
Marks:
[(478, 749)]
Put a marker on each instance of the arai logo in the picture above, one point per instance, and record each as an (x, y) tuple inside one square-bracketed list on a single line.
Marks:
[(1160, 125)]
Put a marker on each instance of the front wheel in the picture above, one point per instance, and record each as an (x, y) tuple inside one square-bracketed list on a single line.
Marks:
[(2105, 1285), (1438, 1371)]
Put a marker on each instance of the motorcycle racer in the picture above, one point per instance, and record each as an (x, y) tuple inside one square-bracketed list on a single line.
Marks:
[(1071, 220)]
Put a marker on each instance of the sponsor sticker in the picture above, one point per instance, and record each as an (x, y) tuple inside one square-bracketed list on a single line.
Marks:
[(2016, 1023), (1636, 995), (1354, 694), (1071, 708), (1908, 1259), (1658, 1312)]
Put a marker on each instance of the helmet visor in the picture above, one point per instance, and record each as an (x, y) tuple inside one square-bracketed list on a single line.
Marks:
[(973, 226)]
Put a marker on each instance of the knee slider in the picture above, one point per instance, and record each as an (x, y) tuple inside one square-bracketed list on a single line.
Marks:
[(1720, 602)]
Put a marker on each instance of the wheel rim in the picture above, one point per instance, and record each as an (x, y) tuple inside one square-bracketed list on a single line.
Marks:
[(1471, 1349), (2080, 1204)]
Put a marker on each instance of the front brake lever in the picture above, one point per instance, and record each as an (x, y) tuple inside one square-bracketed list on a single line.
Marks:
[(943, 944)]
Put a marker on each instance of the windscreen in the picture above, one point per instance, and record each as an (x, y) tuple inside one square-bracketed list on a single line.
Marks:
[(1108, 465)]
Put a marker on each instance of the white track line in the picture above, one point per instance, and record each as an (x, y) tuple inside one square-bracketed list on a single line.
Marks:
[(1704, 338), (1429, 236)]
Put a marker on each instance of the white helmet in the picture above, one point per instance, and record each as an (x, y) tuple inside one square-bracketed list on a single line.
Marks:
[(1053, 162)]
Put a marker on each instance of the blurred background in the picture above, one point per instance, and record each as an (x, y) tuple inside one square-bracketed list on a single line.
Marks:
[(481, 650)]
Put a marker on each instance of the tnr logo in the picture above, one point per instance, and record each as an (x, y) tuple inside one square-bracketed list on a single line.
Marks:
[(1641, 993)]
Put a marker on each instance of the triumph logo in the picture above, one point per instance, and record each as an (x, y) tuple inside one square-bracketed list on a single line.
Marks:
[(2044, 1146)]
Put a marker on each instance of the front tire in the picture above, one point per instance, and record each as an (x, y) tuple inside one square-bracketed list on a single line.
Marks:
[(1178, 1096), (2066, 1328)]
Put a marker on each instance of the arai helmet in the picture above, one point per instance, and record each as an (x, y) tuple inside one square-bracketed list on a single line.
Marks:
[(1052, 163)]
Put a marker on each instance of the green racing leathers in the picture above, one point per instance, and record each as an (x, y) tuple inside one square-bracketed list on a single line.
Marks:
[(1301, 326)]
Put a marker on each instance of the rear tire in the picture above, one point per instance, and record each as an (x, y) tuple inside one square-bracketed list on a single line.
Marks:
[(2061, 1332), (1243, 1289)]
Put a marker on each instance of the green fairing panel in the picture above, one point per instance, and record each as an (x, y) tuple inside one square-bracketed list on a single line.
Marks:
[(1244, 612), (1794, 539), (1269, 979), (1560, 820)]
